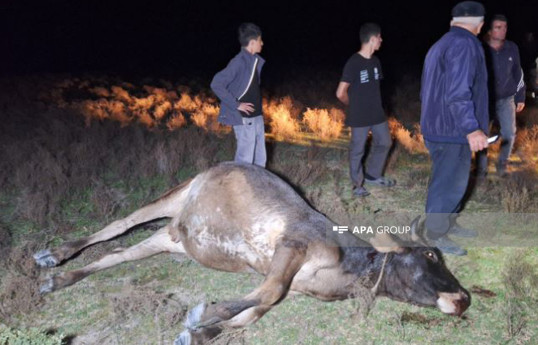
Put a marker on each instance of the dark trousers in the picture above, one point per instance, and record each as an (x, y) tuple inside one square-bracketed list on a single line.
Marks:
[(451, 165), (381, 143)]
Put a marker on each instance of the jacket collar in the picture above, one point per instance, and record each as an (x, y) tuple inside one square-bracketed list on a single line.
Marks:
[(249, 56), (463, 31)]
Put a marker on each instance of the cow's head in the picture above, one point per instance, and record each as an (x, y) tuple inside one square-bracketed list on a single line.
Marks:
[(417, 274)]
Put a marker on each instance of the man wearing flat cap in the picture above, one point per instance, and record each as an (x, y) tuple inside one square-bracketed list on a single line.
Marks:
[(454, 120)]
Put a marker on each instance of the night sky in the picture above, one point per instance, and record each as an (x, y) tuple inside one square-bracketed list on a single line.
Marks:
[(174, 38)]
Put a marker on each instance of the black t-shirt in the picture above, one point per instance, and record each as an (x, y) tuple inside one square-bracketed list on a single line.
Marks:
[(363, 75), (253, 94)]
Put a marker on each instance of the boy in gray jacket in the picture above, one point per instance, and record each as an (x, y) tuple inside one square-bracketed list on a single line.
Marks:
[(238, 88)]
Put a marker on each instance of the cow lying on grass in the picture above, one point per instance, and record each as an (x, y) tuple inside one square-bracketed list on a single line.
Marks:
[(242, 218)]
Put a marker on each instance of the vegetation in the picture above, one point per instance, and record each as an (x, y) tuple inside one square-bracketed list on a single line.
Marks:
[(79, 153)]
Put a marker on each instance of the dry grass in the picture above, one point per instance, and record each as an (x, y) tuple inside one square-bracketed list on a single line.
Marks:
[(327, 125), (19, 292), (411, 141), (517, 194), (283, 124), (520, 279)]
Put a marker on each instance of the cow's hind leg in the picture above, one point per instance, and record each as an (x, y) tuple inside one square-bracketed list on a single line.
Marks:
[(166, 206), (207, 321), (157, 243)]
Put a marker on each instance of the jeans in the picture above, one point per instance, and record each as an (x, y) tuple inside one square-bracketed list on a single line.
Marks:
[(505, 113), (451, 164), (250, 138), (381, 143)]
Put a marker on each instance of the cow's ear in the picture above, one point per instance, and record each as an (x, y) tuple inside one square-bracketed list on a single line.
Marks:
[(384, 243)]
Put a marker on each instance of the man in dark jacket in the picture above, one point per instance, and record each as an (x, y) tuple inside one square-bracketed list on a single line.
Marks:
[(508, 89), (454, 120), (238, 88)]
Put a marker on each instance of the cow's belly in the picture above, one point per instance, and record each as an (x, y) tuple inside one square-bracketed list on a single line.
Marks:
[(233, 247)]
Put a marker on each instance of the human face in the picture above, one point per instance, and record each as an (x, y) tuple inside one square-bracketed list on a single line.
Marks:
[(376, 41), (498, 30), (255, 46)]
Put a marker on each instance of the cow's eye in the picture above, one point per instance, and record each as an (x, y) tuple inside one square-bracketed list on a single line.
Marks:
[(431, 255)]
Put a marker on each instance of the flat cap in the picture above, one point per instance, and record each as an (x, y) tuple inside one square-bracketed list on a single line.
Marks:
[(468, 9)]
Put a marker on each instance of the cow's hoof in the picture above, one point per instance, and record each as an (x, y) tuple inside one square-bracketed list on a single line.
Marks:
[(191, 323), (47, 287), (44, 258), (184, 338)]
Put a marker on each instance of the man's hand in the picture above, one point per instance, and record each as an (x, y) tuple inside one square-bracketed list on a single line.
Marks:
[(477, 140), (519, 107), (246, 107), (341, 92)]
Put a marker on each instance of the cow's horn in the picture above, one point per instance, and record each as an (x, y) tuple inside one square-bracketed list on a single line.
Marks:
[(384, 243)]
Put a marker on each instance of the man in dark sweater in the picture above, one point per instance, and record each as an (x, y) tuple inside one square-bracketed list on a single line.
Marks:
[(359, 89), (454, 120), (507, 89), (238, 88)]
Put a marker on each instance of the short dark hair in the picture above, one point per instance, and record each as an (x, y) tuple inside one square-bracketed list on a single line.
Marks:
[(247, 32), (499, 17), (368, 30)]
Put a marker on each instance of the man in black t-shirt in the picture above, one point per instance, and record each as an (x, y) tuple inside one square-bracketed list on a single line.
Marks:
[(359, 89)]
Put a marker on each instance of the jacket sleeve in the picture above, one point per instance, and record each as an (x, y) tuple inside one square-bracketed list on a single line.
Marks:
[(461, 65), (222, 80), (519, 78)]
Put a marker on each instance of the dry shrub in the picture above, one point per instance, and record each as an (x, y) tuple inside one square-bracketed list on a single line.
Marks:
[(206, 118), (121, 94), (187, 103), (100, 91), (20, 285), (284, 126), (527, 142), (93, 110), (516, 194), (520, 279), (176, 121), (411, 141), (327, 125), (161, 110), (159, 93), (118, 112), (43, 181)]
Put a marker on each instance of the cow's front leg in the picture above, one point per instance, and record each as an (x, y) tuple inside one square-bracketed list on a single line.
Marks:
[(205, 322)]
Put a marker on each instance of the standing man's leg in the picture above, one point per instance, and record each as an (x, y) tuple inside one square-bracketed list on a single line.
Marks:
[(260, 154), (481, 161), (359, 135), (451, 164), (505, 110), (245, 136), (381, 143)]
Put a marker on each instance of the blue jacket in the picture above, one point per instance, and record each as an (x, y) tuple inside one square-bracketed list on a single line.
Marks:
[(507, 72), (230, 83), (454, 90)]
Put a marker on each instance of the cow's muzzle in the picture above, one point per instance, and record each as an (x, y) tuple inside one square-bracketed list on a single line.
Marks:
[(454, 303)]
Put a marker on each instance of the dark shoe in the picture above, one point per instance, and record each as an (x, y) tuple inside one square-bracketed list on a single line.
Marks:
[(360, 192), (381, 181), (447, 246), (458, 231)]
